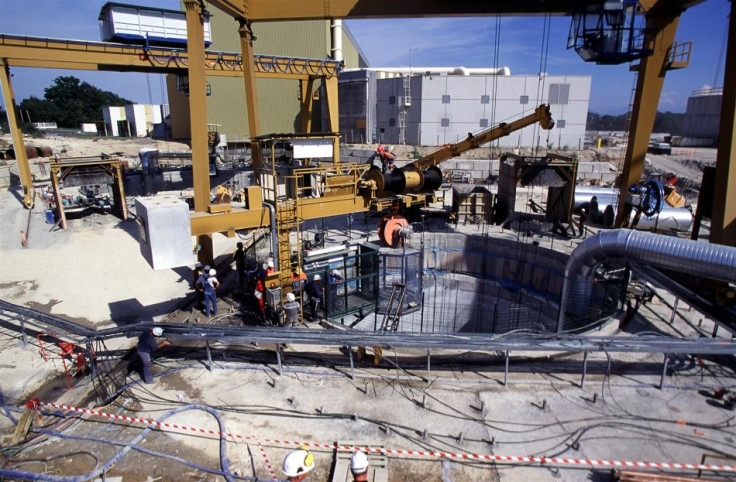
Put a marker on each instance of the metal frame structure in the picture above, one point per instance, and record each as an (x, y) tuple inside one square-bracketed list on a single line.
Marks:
[(32, 322), (61, 168)]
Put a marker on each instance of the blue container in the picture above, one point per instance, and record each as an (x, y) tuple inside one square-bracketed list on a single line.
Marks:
[(49, 217)]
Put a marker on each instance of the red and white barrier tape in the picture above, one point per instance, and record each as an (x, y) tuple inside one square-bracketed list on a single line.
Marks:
[(415, 453)]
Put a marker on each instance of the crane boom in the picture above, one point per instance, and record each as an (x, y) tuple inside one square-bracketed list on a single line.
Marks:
[(541, 114)]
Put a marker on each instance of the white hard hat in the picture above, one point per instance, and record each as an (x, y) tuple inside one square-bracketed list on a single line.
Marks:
[(335, 272), (298, 462), (317, 277), (358, 463), (270, 263), (290, 297), (212, 272), (158, 331)]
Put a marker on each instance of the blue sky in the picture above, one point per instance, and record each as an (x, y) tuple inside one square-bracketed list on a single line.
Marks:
[(406, 42)]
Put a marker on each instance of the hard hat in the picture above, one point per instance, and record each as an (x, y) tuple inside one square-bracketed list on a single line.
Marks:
[(270, 263), (298, 462), (265, 265), (158, 331), (212, 272), (290, 297), (358, 463), (335, 272), (317, 277), (197, 265), (240, 245), (207, 268), (380, 149)]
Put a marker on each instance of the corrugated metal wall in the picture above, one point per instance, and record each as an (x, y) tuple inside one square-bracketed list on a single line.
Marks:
[(278, 100)]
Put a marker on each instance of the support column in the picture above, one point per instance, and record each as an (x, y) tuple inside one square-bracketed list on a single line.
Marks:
[(198, 120), (20, 148), (723, 222), (648, 91), (306, 88), (333, 117), (251, 92)]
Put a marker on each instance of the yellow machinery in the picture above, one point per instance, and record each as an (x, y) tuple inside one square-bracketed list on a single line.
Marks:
[(423, 175), (301, 177)]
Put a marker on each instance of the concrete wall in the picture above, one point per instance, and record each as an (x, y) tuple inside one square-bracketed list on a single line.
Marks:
[(703, 116), (482, 284), (445, 108)]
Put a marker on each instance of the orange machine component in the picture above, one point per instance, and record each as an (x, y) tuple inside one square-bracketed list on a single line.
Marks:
[(393, 228)]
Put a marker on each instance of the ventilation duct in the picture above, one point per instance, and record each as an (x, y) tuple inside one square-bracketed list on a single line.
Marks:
[(676, 254)]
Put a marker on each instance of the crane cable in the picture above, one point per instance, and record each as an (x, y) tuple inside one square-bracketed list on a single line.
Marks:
[(496, 50), (544, 51)]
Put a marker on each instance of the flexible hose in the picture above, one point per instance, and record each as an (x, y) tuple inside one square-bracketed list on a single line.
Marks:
[(224, 461)]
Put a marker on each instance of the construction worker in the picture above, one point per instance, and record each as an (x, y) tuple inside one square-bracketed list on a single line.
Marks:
[(387, 159), (291, 310), (147, 345), (314, 295), (198, 270), (209, 285), (359, 467), (239, 258), (333, 281), (298, 281), (297, 464)]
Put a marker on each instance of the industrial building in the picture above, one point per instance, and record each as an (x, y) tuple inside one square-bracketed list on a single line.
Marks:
[(703, 118), (134, 120), (447, 328), (279, 100), (435, 107)]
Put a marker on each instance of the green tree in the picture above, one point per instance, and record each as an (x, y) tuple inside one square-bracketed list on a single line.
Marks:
[(70, 102), (3, 120)]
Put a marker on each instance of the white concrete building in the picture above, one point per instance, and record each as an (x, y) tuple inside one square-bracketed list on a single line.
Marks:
[(134, 120), (437, 109)]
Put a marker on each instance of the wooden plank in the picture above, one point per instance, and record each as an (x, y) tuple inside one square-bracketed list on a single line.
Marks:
[(24, 425)]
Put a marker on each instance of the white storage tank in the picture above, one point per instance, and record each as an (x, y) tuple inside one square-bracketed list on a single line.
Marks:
[(132, 24)]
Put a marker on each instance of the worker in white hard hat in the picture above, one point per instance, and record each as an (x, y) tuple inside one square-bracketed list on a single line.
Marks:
[(314, 296), (198, 270), (333, 280), (291, 310), (147, 345), (208, 284), (359, 466), (269, 266), (297, 464)]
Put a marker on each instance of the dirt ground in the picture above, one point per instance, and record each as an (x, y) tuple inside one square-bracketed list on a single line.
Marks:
[(94, 274)]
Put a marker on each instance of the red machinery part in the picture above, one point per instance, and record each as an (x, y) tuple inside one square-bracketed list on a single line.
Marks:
[(389, 227)]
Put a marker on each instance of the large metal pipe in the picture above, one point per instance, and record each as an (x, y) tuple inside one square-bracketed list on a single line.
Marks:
[(603, 211), (274, 235), (677, 254)]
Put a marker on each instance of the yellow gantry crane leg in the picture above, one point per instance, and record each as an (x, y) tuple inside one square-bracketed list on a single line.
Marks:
[(20, 148)]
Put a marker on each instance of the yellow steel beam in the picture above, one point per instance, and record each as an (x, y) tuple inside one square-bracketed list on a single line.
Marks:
[(78, 55), (649, 83), (723, 222), (306, 87), (20, 148), (249, 81), (322, 207), (205, 223), (198, 120), (260, 10), (333, 116)]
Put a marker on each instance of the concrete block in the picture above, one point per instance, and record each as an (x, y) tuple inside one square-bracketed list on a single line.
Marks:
[(585, 167), (608, 177), (165, 233)]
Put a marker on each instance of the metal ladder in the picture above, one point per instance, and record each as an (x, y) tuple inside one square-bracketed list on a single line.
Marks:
[(391, 319)]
